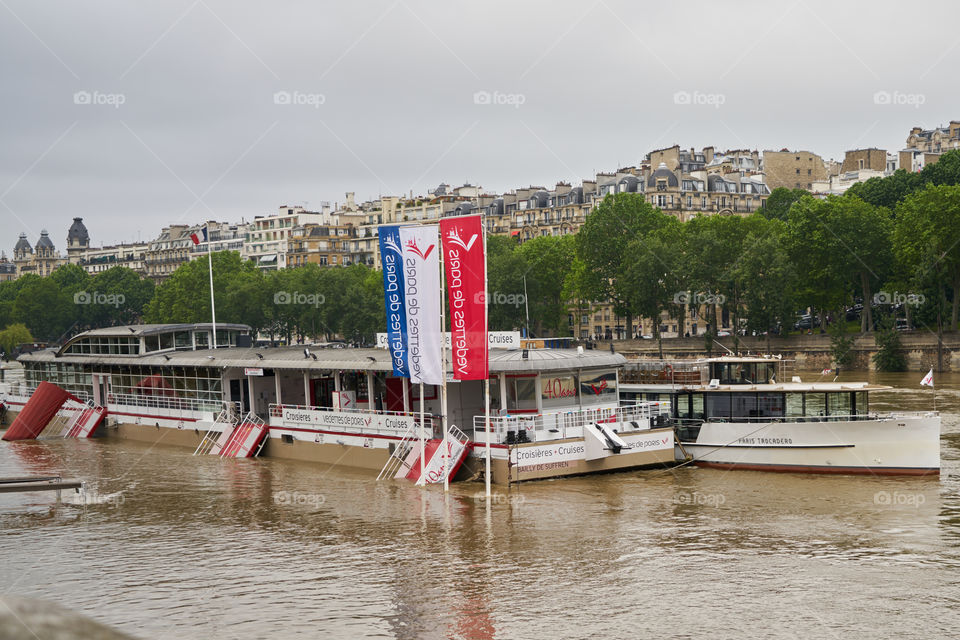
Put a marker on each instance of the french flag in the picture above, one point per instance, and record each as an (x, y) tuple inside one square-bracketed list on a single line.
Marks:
[(199, 236)]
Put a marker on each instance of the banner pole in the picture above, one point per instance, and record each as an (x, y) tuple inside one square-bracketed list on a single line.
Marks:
[(213, 306), (443, 369), (423, 444), (486, 337)]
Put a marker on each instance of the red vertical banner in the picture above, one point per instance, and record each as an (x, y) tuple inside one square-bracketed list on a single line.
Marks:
[(465, 265)]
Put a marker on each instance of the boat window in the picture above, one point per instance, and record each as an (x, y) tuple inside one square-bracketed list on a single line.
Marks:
[(718, 405), (815, 404), (202, 339), (795, 405), (861, 404), (681, 405), (182, 340), (696, 406), (166, 341), (770, 405), (598, 388), (521, 394), (744, 405), (495, 393), (558, 390), (839, 404), (152, 343)]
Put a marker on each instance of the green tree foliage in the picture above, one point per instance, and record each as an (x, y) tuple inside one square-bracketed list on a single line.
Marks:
[(779, 202), (653, 273), (12, 336), (840, 246), (294, 304), (506, 269), (888, 191), (548, 261), (889, 355), (891, 190), (603, 241), (44, 308), (768, 278), (926, 239)]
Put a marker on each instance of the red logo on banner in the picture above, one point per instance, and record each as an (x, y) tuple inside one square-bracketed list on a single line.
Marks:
[(464, 262), (412, 245)]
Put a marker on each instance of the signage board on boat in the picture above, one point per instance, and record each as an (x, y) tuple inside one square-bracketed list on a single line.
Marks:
[(253, 371), (567, 452), (345, 420), (648, 441), (495, 340), (548, 454)]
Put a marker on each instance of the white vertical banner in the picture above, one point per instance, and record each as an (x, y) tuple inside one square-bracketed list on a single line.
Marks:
[(421, 274)]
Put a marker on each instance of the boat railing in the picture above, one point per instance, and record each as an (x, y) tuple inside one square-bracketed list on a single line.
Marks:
[(826, 418), (557, 425), (161, 405)]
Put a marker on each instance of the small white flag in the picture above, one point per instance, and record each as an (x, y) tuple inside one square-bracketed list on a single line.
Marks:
[(927, 379)]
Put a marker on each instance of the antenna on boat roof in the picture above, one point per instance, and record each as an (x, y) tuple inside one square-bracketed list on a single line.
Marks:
[(729, 352)]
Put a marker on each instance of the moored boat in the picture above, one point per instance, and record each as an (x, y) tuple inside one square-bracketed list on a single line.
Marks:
[(737, 412), (555, 412)]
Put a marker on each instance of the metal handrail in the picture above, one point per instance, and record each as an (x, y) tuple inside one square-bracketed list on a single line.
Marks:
[(162, 402), (826, 418), (566, 423)]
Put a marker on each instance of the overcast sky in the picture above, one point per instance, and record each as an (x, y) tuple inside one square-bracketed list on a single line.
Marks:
[(135, 115)]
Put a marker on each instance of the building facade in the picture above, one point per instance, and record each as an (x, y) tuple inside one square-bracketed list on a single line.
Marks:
[(267, 238), (860, 159), (793, 169), (40, 260), (924, 146), (133, 256), (324, 245)]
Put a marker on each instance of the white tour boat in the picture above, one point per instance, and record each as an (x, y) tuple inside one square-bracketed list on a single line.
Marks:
[(740, 413)]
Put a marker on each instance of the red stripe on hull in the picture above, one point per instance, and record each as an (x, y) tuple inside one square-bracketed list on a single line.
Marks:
[(858, 471)]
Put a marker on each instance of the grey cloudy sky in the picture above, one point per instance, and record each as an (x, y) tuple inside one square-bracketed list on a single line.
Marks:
[(200, 134)]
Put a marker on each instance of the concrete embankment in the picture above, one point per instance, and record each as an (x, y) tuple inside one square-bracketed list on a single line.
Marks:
[(810, 352)]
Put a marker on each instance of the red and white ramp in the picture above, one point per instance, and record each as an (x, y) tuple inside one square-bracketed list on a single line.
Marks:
[(246, 439), (85, 421), (434, 460)]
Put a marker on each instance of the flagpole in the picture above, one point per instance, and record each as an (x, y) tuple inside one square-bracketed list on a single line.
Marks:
[(486, 337), (423, 439), (213, 307), (443, 369)]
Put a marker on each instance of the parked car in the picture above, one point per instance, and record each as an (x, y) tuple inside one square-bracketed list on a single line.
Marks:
[(806, 321), (902, 324), (723, 334)]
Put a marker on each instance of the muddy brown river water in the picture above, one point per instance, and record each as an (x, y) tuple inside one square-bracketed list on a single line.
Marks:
[(181, 547)]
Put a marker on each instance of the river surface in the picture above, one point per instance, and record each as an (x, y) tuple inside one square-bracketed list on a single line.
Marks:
[(179, 547)]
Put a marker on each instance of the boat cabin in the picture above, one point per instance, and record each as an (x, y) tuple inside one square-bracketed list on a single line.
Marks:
[(170, 374)]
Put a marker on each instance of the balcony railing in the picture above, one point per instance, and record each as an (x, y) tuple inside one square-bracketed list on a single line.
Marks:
[(558, 425)]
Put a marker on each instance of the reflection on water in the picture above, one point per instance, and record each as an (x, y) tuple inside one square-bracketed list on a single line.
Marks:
[(178, 546)]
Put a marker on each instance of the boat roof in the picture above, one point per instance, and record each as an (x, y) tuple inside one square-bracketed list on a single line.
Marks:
[(295, 358), (769, 388), (153, 329)]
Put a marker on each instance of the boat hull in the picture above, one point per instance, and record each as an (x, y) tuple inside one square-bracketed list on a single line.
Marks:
[(893, 445)]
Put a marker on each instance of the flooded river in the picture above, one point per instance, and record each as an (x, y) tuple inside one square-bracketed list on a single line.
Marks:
[(182, 547)]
